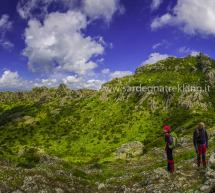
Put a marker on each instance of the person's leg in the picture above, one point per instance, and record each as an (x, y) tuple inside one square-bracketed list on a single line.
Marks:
[(204, 156), (199, 155), (198, 160), (171, 164), (168, 165), (170, 161)]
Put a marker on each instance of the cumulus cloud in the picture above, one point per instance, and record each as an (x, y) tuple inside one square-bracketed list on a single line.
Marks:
[(105, 9), (29, 9), (106, 71), (56, 42), (59, 43), (5, 26), (186, 50), (11, 81), (71, 79), (155, 57), (192, 16), (156, 4), (119, 74), (161, 21), (93, 80), (94, 9)]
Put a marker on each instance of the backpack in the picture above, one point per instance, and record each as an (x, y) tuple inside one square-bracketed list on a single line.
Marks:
[(174, 140)]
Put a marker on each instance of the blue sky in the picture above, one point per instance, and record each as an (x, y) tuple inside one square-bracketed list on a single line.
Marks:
[(84, 43)]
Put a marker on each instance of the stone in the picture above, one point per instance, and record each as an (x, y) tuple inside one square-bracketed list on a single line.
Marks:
[(29, 184), (210, 173), (205, 188), (59, 190), (101, 186), (128, 150), (43, 191), (17, 191), (212, 161)]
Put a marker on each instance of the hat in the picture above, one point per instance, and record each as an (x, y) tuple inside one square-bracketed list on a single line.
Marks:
[(166, 128)]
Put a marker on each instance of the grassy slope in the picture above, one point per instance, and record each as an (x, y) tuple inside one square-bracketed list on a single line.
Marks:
[(87, 126), (95, 124)]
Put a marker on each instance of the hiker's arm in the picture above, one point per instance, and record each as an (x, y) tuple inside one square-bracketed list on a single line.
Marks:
[(194, 141)]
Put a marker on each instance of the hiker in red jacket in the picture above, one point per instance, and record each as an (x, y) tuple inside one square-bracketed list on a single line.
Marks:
[(200, 141), (168, 149)]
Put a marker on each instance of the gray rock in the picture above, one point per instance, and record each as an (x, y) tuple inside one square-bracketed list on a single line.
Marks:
[(212, 161), (128, 150), (29, 185), (205, 188), (43, 191), (59, 190), (101, 186), (210, 173), (17, 191)]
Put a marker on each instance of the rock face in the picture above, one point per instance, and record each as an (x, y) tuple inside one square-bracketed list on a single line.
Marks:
[(130, 150)]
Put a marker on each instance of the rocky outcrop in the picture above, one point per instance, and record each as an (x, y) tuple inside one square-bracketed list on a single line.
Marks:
[(130, 150)]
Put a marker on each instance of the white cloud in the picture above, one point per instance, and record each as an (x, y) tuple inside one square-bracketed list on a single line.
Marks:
[(97, 9), (192, 16), (29, 9), (186, 50), (161, 21), (12, 81), (106, 71), (49, 82), (71, 79), (194, 53), (58, 43), (157, 45), (8, 77), (163, 43), (6, 44), (5, 26), (156, 4), (119, 74), (93, 84), (155, 57), (93, 80)]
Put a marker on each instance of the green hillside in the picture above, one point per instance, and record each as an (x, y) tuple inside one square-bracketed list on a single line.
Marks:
[(84, 127)]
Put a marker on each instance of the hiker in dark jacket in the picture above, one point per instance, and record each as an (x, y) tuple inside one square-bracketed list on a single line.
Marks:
[(200, 141), (169, 151)]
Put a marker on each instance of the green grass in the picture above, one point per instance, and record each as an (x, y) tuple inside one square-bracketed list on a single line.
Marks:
[(83, 126)]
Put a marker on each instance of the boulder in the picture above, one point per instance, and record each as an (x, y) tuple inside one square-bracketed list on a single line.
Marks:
[(212, 161), (129, 150), (210, 174)]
